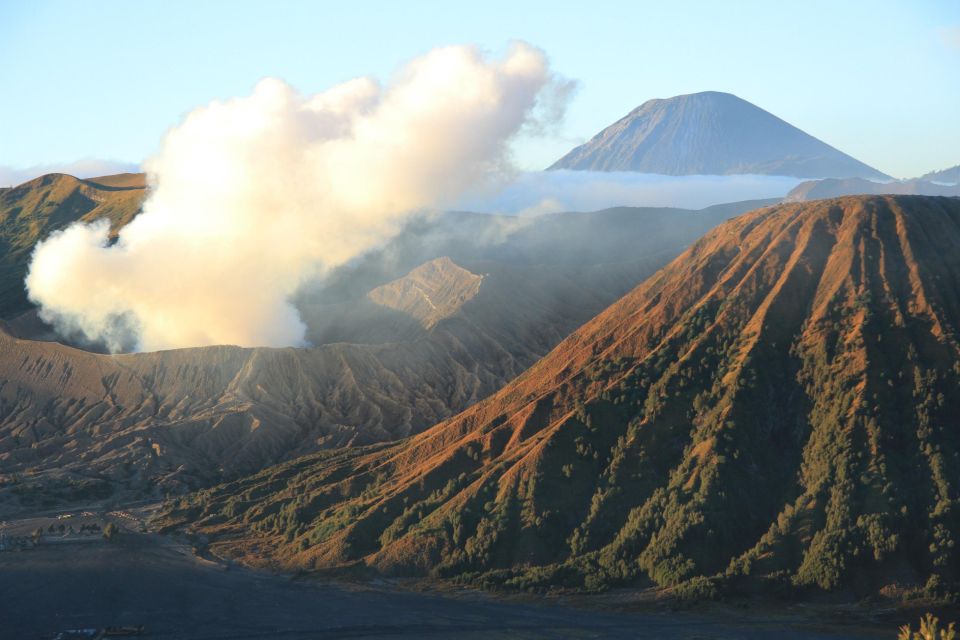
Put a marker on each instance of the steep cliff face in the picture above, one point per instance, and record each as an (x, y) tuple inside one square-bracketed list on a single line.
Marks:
[(710, 133), (777, 405)]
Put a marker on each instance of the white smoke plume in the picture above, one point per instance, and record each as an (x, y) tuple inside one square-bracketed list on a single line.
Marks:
[(253, 196)]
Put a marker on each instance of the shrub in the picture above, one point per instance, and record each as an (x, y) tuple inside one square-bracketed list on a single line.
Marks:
[(698, 588), (929, 630)]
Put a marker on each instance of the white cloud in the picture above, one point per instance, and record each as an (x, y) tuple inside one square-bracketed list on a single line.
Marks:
[(254, 195)]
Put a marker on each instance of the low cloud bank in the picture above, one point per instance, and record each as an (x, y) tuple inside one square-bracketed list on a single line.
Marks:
[(564, 190)]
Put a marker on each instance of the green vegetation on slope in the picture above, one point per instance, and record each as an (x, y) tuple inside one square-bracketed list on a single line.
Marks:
[(776, 409), (33, 210), (929, 629)]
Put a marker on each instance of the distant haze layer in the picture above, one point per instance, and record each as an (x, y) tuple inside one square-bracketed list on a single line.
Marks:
[(253, 196), (539, 192)]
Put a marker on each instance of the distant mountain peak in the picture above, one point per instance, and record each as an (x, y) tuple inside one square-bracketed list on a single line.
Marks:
[(711, 133), (837, 187), (433, 291), (944, 176)]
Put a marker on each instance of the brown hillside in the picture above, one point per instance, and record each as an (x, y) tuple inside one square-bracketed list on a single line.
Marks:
[(121, 181), (165, 422), (779, 404), (35, 209), (430, 293)]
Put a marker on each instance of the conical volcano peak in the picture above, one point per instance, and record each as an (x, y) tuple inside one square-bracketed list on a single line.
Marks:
[(709, 99), (711, 133)]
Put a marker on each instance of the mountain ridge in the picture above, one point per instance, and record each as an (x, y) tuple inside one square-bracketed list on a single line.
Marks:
[(950, 175), (835, 188), (375, 374), (31, 211), (728, 424), (432, 292)]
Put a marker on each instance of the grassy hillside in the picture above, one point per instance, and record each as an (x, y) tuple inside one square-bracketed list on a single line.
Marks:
[(33, 210), (776, 409)]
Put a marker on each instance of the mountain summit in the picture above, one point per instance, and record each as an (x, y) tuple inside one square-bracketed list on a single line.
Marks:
[(711, 133)]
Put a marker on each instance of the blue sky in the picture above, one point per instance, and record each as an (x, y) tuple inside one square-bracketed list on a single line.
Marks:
[(880, 80)]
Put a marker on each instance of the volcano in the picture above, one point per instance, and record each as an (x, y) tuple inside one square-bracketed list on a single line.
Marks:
[(711, 133), (778, 406), (406, 337)]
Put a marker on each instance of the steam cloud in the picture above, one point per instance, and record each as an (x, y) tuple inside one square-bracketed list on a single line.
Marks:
[(253, 196)]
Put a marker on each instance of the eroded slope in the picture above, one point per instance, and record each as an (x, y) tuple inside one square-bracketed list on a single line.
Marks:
[(778, 406), (430, 293), (162, 422)]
